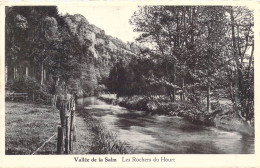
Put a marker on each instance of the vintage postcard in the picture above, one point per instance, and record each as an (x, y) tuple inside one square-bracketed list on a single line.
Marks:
[(129, 84)]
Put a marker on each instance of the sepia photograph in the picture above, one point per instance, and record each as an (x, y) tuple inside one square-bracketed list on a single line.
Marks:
[(137, 79)]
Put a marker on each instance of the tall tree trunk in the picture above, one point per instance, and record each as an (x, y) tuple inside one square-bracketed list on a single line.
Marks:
[(56, 81), (250, 61), (231, 90), (208, 92), (168, 75), (26, 71), (174, 82), (44, 74), (6, 74), (238, 73), (182, 93), (208, 97), (249, 101), (41, 74), (238, 69), (14, 72)]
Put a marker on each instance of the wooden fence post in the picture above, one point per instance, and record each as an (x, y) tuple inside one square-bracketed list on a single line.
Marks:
[(66, 132), (62, 113), (60, 142), (71, 129), (67, 149)]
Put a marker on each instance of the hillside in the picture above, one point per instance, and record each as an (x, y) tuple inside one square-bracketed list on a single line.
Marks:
[(43, 45), (105, 50), (100, 44)]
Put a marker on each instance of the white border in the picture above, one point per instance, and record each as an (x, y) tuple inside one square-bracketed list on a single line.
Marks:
[(181, 160)]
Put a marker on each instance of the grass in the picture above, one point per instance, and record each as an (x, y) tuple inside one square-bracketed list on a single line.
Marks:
[(28, 126), (102, 140), (106, 142), (84, 136)]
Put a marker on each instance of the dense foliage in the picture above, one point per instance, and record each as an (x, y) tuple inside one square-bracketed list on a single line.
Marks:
[(195, 54), (200, 48), (192, 54), (60, 50)]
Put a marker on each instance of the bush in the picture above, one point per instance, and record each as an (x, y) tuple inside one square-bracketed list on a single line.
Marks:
[(24, 84), (41, 96), (31, 86), (135, 102)]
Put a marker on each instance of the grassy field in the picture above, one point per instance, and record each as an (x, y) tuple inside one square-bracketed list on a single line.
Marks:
[(28, 126)]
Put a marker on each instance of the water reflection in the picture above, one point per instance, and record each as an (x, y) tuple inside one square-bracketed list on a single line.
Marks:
[(163, 134)]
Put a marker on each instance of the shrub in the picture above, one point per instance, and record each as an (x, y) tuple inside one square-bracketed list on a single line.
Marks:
[(31, 86), (42, 96), (24, 84)]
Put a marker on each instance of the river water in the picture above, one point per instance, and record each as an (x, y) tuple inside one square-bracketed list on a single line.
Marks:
[(159, 134)]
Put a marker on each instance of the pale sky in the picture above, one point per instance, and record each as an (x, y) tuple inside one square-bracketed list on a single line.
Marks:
[(113, 19)]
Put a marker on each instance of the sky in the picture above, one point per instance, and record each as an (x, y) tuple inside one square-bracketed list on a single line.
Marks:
[(113, 19)]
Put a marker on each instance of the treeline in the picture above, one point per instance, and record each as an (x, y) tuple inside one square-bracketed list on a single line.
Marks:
[(46, 52), (192, 52)]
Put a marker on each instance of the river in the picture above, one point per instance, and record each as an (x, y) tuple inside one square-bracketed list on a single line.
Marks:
[(159, 134)]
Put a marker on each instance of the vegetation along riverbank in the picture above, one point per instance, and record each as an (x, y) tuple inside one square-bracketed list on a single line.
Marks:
[(103, 140), (221, 115)]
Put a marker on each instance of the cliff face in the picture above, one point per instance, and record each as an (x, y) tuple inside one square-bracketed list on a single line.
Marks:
[(39, 43), (101, 46), (104, 50)]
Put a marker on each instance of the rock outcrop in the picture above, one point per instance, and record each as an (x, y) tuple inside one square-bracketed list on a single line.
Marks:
[(99, 44)]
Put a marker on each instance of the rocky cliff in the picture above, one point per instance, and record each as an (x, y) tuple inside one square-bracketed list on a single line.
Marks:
[(41, 44), (104, 49), (102, 46)]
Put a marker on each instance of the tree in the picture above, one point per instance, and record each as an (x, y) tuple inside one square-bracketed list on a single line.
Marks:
[(187, 39), (242, 42)]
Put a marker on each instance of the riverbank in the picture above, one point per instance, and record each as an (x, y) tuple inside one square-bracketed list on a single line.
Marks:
[(103, 141), (221, 116)]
